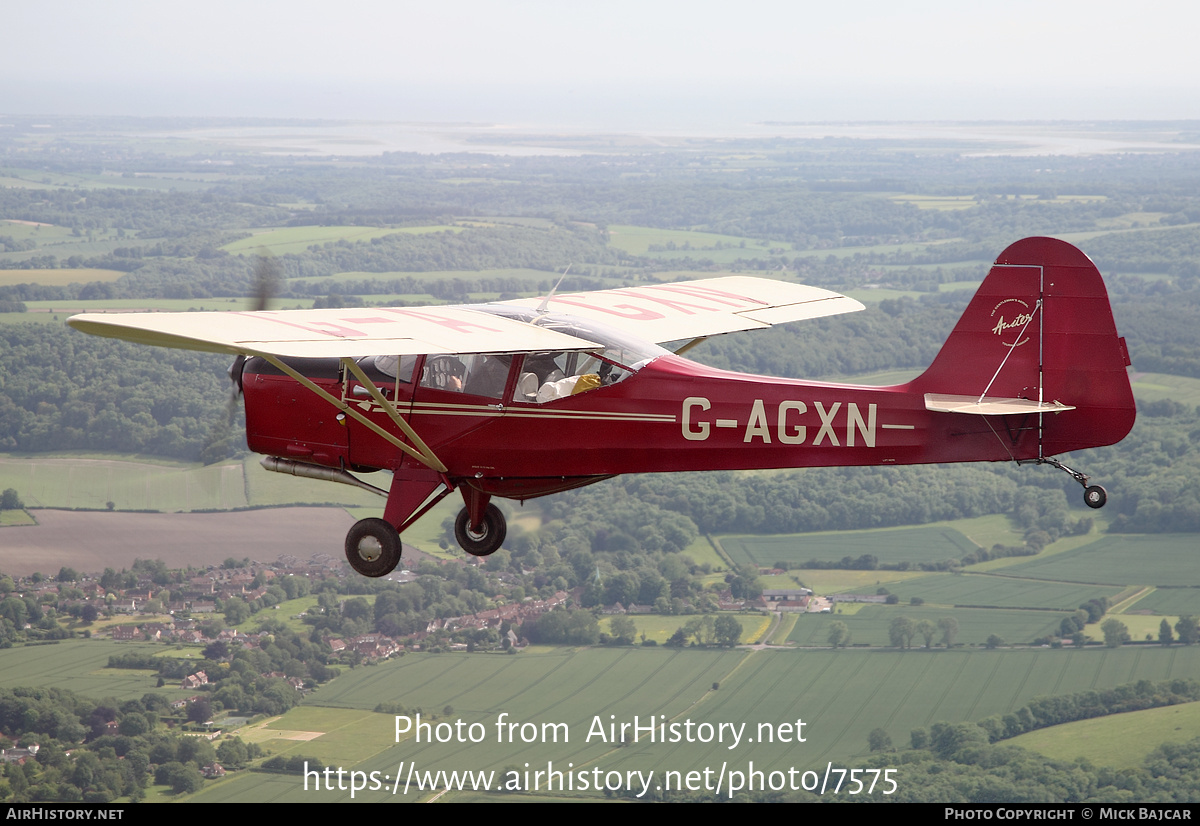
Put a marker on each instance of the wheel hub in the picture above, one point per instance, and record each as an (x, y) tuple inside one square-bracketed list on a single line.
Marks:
[(369, 549)]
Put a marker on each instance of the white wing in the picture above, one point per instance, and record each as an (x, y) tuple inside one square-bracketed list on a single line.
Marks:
[(658, 313)]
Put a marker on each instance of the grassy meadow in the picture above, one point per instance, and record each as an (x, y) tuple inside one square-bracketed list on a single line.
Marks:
[(283, 240), (890, 545), (1121, 741)]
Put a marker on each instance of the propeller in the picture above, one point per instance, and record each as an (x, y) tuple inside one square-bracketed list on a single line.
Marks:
[(268, 276)]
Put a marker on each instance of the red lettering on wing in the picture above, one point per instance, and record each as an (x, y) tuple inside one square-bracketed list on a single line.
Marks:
[(458, 325), (635, 313), (710, 293)]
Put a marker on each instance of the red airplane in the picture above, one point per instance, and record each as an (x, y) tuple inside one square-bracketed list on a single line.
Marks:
[(519, 399)]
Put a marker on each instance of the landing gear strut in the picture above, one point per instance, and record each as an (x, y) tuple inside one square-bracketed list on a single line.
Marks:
[(484, 539), (373, 547), (1094, 496)]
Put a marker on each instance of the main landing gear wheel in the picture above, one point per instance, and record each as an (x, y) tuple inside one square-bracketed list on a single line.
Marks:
[(373, 547), (487, 539), (1095, 496)]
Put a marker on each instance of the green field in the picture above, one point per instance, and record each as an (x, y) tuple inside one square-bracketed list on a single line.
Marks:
[(52, 481), (869, 624), (281, 241), (841, 696), (1005, 592), (1137, 732), (659, 628), (1160, 559), (1152, 387), (921, 544), (638, 240), (177, 305), (1172, 601), (56, 278), (78, 665)]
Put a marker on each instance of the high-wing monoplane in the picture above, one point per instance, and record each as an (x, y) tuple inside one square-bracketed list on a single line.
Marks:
[(520, 399)]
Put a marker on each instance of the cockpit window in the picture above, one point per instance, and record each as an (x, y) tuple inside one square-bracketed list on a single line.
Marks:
[(396, 367), (478, 374), (548, 376)]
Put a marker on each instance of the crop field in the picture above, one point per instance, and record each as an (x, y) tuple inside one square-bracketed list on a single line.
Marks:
[(869, 624), (1152, 387), (56, 278), (79, 665), (130, 305), (922, 544), (1005, 592), (533, 277), (73, 482), (849, 582), (1172, 601), (1137, 732), (638, 240), (334, 735), (660, 628), (1160, 559), (92, 541), (16, 519), (281, 241), (50, 481), (841, 696)]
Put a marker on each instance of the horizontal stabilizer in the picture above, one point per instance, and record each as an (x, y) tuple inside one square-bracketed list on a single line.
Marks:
[(989, 405)]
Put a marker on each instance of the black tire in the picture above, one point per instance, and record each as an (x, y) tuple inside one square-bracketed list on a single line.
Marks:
[(490, 536), (373, 547), (1095, 496)]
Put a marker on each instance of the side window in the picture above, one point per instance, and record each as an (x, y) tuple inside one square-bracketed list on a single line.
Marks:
[(549, 376), (395, 367), (480, 374)]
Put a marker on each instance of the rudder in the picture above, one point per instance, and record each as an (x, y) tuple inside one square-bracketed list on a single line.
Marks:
[(1040, 328)]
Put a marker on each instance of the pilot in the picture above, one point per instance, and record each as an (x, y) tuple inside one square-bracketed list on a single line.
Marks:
[(444, 373), (488, 376)]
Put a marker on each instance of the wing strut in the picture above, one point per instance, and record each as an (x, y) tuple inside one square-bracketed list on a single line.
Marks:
[(422, 453)]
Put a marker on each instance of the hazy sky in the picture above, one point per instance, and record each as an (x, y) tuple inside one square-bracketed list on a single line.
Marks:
[(609, 64)]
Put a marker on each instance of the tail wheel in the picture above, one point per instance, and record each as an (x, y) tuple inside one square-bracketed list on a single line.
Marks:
[(1095, 496), (484, 540), (373, 547)]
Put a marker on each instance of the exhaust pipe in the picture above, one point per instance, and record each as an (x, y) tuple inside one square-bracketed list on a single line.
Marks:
[(309, 471)]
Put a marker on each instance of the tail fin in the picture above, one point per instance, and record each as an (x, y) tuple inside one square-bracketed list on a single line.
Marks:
[(1040, 330)]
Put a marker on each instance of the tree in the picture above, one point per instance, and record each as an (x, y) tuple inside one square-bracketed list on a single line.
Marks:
[(199, 711), (237, 611), (949, 629), (216, 650), (624, 630), (678, 639), (10, 501), (926, 628), (879, 740), (839, 634), (1186, 629), (727, 630), (993, 641), (901, 632), (1164, 633), (1115, 632)]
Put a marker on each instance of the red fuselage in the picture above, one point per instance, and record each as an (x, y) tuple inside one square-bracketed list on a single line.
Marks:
[(672, 415)]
